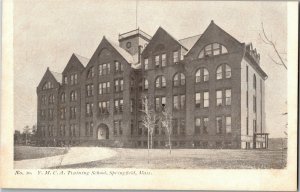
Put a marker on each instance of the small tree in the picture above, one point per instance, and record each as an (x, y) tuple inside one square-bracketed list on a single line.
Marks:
[(166, 120), (148, 121)]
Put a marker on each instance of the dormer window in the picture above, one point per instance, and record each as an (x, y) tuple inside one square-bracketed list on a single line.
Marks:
[(212, 50)]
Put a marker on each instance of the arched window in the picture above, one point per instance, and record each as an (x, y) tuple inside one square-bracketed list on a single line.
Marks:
[(202, 75), (179, 79), (73, 96), (223, 69), (63, 97), (198, 76), (227, 71), (146, 84), (219, 73), (212, 50), (254, 81), (160, 82)]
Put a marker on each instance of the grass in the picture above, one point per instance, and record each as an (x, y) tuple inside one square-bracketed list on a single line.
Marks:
[(29, 152), (191, 159)]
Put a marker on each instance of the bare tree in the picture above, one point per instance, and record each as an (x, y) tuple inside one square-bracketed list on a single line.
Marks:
[(149, 120), (166, 120), (264, 37)]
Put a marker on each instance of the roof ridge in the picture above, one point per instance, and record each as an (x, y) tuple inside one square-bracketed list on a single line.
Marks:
[(190, 37)]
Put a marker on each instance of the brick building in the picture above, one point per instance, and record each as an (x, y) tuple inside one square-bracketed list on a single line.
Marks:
[(212, 84)]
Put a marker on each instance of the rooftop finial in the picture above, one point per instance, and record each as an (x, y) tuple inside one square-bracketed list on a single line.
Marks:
[(212, 21)]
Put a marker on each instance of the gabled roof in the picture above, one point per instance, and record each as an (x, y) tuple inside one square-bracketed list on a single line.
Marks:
[(76, 60), (57, 76), (210, 26), (188, 42), (83, 60), (157, 33), (127, 56)]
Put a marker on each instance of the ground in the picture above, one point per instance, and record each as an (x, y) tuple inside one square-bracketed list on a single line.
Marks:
[(28, 152), (97, 157), (191, 159)]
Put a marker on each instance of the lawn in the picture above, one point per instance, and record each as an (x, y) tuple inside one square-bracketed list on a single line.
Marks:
[(29, 152), (191, 159)]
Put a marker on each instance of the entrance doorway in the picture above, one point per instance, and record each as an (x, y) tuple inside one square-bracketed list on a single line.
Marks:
[(102, 132)]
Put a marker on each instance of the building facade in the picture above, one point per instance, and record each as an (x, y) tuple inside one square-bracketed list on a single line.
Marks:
[(211, 84)]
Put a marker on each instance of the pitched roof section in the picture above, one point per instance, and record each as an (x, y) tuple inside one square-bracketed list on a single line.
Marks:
[(83, 60), (155, 36), (57, 76), (76, 60), (127, 56), (188, 42)]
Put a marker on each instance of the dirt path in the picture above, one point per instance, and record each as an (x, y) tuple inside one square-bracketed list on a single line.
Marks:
[(74, 156)]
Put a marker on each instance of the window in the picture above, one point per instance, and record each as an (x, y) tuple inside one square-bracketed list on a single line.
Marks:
[(89, 109), (254, 81), (206, 99), (205, 125), (202, 75), (104, 88), (160, 82), (254, 125), (179, 79), (163, 60), (50, 114), (103, 107), (74, 79), (219, 72), (157, 61), (72, 112), (146, 84), (227, 70), (247, 125), (198, 76), (228, 97), (51, 99), (179, 102), (159, 103), (175, 102), (205, 74), (212, 49), (198, 100), (104, 69), (116, 127), (219, 98), (228, 124), (89, 128), (62, 98), (182, 126), (219, 125), (146, 63), (175, 127), (90, 90), (90, 73), (73, 96), (118, 107), (119, 85), (175, 57), (119, 67), (140, 128), (63, 112), (65, 80), (197, 125)]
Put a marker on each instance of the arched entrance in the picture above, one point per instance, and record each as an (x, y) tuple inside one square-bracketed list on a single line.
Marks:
[(102, 132)]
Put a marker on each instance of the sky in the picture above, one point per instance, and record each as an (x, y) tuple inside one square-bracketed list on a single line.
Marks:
[(47, 32)]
